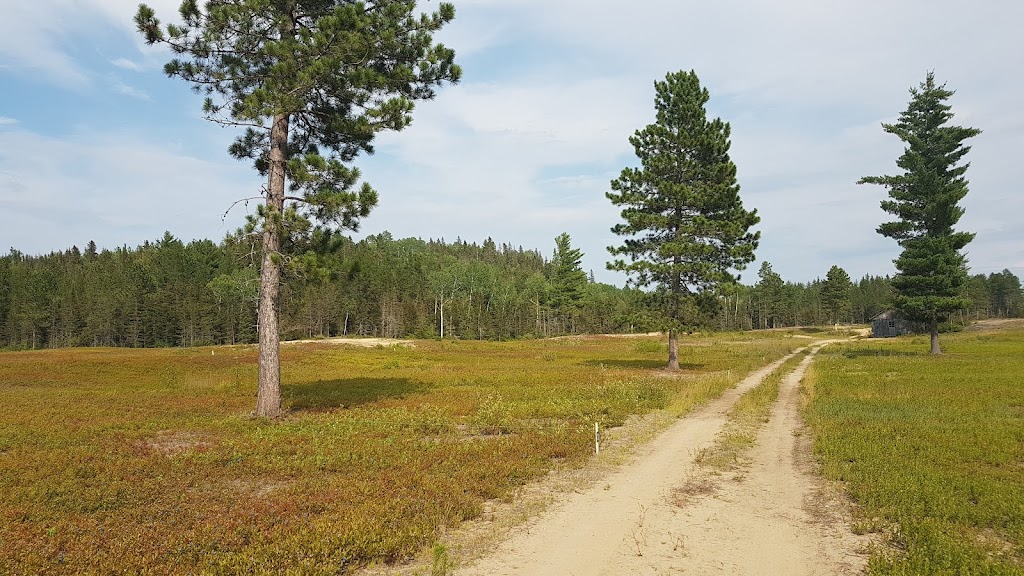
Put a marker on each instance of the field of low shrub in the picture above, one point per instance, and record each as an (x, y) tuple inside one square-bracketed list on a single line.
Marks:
[(148, 461), (930, 448)]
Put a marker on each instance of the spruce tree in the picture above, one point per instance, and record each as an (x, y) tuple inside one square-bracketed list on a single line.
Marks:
[(685, 227), (568, 280), (931, 271), (312, 82)]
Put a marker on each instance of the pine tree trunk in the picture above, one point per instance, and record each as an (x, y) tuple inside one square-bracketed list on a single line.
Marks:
[(673, 343), (673, 350), (268, 397), (935, 337)]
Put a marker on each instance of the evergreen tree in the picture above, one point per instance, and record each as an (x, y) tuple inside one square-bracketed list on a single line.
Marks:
[(1005, 291), (770, 295), (835, 294), (871, 296), (167, 293), (6, 263), (568, 280), (312, 81), (685, 226), (932, 272)]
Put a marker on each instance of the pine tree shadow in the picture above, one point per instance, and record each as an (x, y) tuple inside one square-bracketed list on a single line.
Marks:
[(346, 393), (865, 352), (639, 364)]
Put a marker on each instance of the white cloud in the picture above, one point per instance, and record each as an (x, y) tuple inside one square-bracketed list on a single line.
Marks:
[(529, 153), (6, 121), (474, 163), (114, 188), (117, 85), (805, 85), (35, 36), (30, 37), (127, 64)]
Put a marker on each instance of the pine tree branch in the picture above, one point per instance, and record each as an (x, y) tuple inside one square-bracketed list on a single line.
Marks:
[(236, 203)]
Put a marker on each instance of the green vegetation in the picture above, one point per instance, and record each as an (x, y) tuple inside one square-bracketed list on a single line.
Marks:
[(171, 293), (931, 448), (924, 199), (287, 73), (835, 294), (148, 460), (746, 417), (770, 297), (567, 282), (685, 231)]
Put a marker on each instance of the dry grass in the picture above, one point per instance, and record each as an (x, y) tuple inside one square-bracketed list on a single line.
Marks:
[(147, 461)]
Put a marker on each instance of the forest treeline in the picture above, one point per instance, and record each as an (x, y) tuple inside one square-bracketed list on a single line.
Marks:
[(171, 293)]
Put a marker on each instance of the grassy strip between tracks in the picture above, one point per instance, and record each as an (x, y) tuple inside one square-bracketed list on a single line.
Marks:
[(746, 418)]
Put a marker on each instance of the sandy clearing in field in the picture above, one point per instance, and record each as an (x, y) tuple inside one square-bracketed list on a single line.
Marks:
[(361, 342), (775, 520), (995, 324)]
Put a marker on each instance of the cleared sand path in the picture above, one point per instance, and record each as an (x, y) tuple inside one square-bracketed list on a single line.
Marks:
[(778, 519), (773, 519)]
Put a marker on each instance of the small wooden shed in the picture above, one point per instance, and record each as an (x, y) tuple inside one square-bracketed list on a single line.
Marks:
[(888, 324)]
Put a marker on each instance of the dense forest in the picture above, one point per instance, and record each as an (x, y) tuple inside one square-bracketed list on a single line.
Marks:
[(171, 293)]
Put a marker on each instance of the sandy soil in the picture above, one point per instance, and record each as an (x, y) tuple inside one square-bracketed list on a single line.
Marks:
[(776, 517), (362, 342), (995, 324), (773, 519)]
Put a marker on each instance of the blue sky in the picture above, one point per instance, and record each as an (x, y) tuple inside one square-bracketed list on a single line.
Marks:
[(96, 143)]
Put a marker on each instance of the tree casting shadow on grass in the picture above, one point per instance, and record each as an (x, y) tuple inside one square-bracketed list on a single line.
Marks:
[(879, 352), (346, 393), (639, 364)]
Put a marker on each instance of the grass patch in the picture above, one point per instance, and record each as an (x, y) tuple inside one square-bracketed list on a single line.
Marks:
[(931, 449), (745, 420), (115, 460)]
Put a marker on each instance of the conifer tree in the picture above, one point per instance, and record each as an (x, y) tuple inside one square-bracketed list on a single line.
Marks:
[(835, 293), (568, 280), (312, 82), (932, 272), (685, 227), (769, 290)]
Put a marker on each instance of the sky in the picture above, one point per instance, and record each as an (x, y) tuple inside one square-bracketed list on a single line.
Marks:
[(96, 143)]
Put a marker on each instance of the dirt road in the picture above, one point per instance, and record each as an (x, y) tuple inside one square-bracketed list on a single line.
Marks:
[(772, 520)]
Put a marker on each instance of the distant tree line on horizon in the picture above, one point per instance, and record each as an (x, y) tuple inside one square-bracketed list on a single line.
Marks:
[(171, 293)]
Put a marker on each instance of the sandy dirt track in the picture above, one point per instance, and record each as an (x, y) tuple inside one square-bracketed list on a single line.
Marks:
[(778, 518), (774, 519)]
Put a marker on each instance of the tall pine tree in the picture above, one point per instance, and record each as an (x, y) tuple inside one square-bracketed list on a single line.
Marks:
[(685, 227), (932, 272), (312, 82)]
